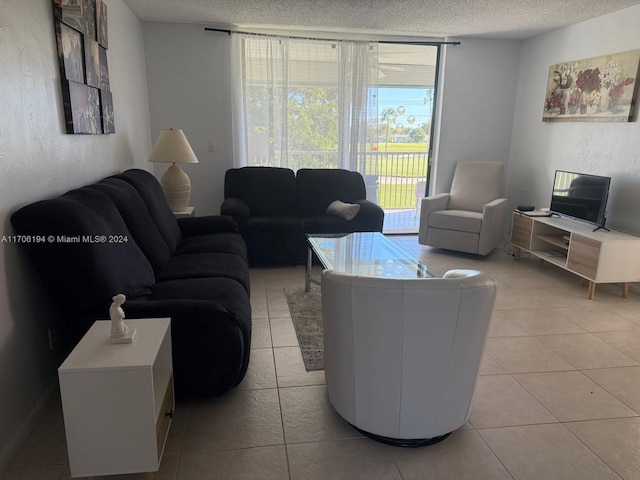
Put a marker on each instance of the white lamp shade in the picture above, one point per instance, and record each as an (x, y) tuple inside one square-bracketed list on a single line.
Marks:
[(172, 146)]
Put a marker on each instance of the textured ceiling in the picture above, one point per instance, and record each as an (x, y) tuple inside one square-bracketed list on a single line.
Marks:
[(514, 19)]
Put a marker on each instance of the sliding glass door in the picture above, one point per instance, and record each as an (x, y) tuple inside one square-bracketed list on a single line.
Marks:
[(406, 104), (362, 106)]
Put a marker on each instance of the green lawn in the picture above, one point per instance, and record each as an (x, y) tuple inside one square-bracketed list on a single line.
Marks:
[(403, 147), (396, 161), (397, 196)]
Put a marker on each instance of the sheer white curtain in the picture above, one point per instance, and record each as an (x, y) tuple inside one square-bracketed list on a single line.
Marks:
[(358, 103), (304, 103)]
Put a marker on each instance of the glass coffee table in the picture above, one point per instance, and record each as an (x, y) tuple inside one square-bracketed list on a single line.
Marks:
[(368, 254)]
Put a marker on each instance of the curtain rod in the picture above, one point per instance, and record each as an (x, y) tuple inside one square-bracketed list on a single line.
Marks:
[(229, 32)]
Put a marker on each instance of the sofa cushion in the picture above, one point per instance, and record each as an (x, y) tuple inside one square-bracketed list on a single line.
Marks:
[(465, 194), (463, 221), (318, 187), (277, 239), (138, 219), (265, 190), (205, 225), (203, 265), (214, 243), (224, 291), (81, 271), (151, 192)]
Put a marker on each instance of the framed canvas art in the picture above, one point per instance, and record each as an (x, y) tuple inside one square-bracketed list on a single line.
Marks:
[(82, 40), (92, 56), (101, 23), (82, 108), (71, 54), (600, 89), (72, 14), (106, 107)]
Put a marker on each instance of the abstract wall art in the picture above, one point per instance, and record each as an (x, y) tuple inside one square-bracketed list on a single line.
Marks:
[(82, 40)]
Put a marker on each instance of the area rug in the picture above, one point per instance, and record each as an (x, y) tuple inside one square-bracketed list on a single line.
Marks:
[(306, 312)]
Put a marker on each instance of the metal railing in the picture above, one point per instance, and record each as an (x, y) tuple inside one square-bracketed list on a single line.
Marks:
[(394, 180)]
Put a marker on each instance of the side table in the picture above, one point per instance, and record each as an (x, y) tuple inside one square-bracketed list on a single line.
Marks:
[(117, 399), (189, 212)]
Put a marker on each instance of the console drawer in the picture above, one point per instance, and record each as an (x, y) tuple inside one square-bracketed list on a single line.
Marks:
[(521, 231), (583, 255)]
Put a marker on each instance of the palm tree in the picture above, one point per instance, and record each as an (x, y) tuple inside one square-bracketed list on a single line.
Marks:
[(388, 116), (428, 100)]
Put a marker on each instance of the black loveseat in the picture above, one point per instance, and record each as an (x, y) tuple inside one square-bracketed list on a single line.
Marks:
[(119, 236), (275, 207)]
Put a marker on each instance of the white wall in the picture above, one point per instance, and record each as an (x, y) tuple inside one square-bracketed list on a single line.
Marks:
[(478, 98), (611, 149), (190, 89), (38, 160)]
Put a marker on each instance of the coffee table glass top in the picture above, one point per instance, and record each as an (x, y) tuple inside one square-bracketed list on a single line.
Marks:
[(369, 254)]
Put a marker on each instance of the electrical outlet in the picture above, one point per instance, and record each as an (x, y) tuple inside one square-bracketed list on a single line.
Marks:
[(212, 146)]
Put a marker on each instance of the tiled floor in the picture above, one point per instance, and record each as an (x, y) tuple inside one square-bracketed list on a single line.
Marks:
[(558, 396)]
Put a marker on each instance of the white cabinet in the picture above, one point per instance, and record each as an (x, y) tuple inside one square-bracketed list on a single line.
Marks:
[(117, 399), (597, 256)]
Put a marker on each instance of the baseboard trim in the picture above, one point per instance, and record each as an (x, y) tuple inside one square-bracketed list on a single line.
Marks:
[(11, 449)]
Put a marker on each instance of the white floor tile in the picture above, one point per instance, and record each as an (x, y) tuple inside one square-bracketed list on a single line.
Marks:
[(553, 356)]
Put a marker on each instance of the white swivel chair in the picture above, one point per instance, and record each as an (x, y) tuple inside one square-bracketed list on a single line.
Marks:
[(401, 356), (471, 218)]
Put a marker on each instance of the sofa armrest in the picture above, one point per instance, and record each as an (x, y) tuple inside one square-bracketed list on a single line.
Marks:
[(432, 203), (493, 230), (194, 226), (236, 208), (493, 205), (371, 213), (208, 343)]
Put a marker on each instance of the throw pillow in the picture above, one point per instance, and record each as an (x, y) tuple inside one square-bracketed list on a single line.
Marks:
[(343, 210)]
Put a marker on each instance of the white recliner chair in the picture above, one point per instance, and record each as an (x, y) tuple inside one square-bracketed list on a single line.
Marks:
[(471, 218), (402, 356)]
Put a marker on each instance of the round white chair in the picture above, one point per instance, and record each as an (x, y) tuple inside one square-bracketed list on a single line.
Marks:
[(402, 356)]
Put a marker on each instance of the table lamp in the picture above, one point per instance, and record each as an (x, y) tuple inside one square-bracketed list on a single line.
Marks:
[(173, 147)]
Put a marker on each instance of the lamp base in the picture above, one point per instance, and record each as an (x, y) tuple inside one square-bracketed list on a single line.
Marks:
[(177, 188)]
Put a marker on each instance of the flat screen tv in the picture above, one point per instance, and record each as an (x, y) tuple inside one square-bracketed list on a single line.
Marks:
[(580, 196)]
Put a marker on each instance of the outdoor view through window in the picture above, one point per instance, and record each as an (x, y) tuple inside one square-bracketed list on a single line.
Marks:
[(323, 104)]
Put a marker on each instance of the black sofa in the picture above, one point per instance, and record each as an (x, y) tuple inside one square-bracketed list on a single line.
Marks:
[(119, 236), (275, 207)]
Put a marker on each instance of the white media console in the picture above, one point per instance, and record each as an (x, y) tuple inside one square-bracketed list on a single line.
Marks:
[(597, 256)]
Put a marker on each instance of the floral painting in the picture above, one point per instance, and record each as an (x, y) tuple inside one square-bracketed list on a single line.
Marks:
[(600, 89)]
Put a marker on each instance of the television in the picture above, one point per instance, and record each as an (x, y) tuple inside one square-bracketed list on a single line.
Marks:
[(580, 196)]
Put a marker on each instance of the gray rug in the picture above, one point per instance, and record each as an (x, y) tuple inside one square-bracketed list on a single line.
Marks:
[(306, 312)]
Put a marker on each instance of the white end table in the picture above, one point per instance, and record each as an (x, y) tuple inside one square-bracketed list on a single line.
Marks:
[(118, 400), (189, 212)]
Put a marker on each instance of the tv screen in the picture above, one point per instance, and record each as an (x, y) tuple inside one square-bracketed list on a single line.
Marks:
[(580, 196)]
